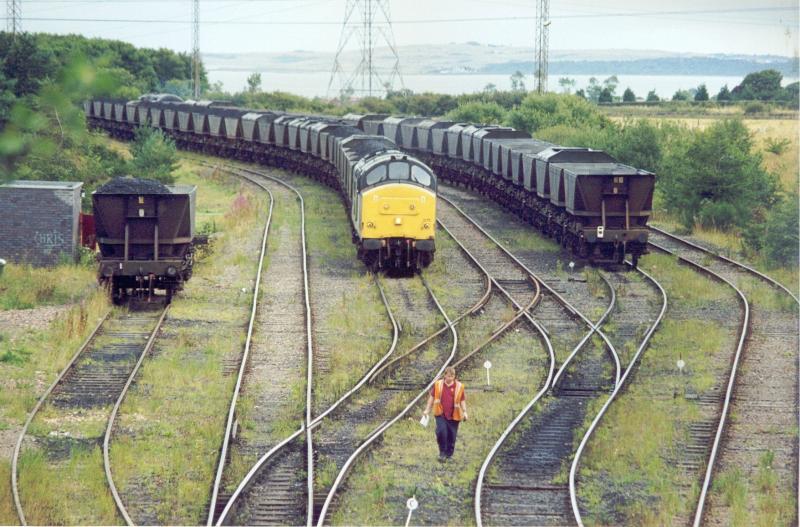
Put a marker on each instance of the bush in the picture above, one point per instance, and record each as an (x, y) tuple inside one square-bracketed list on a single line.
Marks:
[(478, 112), (780, 233), (777, 146), (154, 156), (752, 108), (537, 112)]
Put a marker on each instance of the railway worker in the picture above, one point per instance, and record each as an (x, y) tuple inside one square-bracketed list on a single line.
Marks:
[(449, 405)]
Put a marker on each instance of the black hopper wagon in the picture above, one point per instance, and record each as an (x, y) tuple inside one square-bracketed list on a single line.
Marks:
[(145, 232)]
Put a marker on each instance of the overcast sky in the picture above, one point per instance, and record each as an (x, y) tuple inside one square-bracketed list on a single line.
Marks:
[(703, 26)]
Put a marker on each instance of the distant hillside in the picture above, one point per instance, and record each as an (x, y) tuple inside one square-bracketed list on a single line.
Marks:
[(664, 66), (473, 57)]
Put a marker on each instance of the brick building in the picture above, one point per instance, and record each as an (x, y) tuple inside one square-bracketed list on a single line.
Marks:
[(39, 221)]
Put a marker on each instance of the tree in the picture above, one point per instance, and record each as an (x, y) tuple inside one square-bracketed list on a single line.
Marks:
[(566, 84), (580, 93), (762, 85), (628, 96), (724, 94), (681, 95), (154, 156), (518, 81), (254, 83), (594, 89), (714, 177), (652, 97), (605, 96), (611, 84), (490, 88), (702, 93)]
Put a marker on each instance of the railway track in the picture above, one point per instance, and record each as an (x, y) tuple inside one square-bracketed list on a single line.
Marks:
[(762, 394), (277, 351), (91, 384), (637, 319), (417, 312), (529, 487)]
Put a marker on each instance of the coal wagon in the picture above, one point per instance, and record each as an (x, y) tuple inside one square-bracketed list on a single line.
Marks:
[(145, 233)]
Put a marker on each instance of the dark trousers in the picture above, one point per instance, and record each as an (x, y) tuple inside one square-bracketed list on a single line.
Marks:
[(446, 431)]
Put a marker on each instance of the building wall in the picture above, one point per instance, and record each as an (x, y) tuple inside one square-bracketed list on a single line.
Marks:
[(39, 224)]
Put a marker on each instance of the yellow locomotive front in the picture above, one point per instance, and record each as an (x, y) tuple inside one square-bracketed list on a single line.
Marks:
[(395, 212)]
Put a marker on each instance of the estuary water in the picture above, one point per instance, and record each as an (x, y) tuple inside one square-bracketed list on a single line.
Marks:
[(317, 84)]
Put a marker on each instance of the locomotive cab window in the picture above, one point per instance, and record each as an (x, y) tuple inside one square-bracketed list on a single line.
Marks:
[(398, 170), (420, 175), (376, 175)]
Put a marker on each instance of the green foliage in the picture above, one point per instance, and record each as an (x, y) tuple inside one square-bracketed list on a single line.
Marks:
[(714, 177), (32, 58), (776, 145), (518, 81), (724, 94), (780, 237), (638, 144), (652, 97), (628, 95), (605, 96), (542, 111), (702, 93), (761, 85), (681, 95), (154, 155), (478, 112), (755, 107), (254, 83)]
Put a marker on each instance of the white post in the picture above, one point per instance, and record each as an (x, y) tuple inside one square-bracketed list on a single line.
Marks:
[(412, 505), (488, 366)]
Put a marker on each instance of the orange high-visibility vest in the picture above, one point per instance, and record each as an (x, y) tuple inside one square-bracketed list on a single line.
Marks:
[(438, 386)]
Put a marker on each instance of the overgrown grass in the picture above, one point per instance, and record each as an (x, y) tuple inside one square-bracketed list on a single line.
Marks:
[(80, 496), (26, 287), (628, 474), (170, 426), (31, 361)]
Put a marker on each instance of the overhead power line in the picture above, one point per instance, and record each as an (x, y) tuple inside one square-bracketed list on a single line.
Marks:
[(638, 14)]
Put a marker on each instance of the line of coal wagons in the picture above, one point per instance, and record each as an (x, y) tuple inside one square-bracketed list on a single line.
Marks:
[(585, 199)]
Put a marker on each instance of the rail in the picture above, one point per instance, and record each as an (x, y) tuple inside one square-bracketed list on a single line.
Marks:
[(237, 388), (107, 437), (32, 414), (592, 427), (745, 328)]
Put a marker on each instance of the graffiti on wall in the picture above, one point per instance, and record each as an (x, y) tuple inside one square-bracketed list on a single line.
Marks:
[(49, 241)]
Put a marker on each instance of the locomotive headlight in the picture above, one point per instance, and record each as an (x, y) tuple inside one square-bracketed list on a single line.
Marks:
[(412, 206), (171, 271), (108, 271), (385, 206), (370, 225), (426, 226)]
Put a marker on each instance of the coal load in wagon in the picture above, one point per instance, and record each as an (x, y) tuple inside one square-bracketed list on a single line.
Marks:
[(371, 146), (129, 185)]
